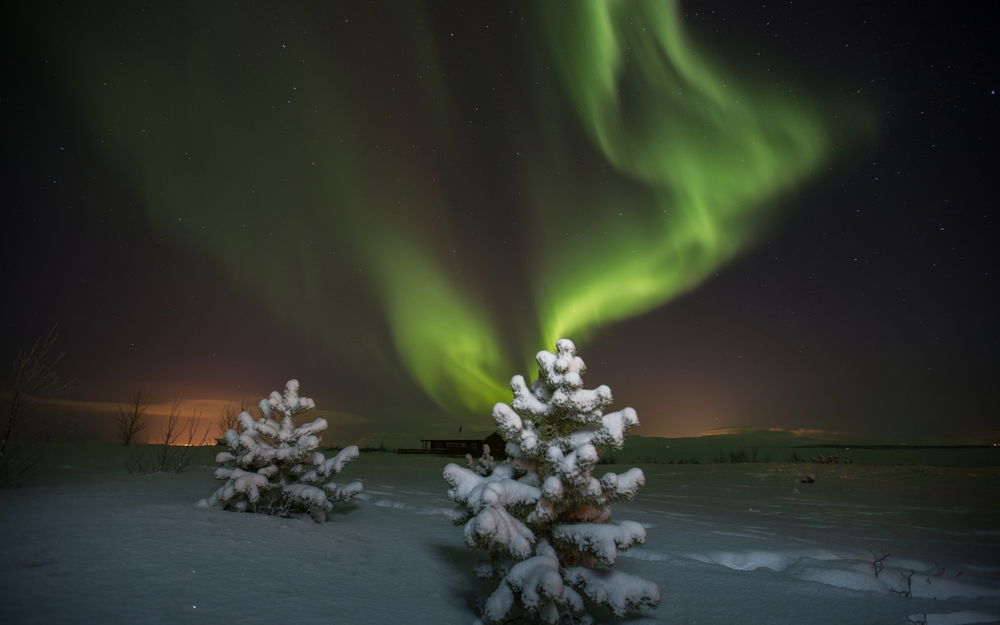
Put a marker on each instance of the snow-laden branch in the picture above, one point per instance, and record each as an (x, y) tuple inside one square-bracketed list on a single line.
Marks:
[(490, 525), (620, 592), (603, 541)]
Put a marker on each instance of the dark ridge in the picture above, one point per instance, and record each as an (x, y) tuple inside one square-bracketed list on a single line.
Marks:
[(843, 446)]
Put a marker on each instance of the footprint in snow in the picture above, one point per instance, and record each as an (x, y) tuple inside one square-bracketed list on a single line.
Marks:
[(399, 505), (641, 553)]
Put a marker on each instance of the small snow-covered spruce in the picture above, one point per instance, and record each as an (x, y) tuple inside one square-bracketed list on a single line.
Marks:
[(272, 465), (541, 513), (484, 465)]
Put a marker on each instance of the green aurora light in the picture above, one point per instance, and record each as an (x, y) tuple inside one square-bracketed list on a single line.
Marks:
[(709, 151), (327, 205)]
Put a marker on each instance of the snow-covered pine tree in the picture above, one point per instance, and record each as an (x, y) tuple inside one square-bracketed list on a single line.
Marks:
[(272, 465), (541, 513)]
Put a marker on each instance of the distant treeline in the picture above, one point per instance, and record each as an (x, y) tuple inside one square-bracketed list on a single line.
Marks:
[(829, 446)]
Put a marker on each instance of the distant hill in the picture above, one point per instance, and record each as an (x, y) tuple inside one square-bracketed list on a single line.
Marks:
[(740, 445), (785, 446), (698, 446)]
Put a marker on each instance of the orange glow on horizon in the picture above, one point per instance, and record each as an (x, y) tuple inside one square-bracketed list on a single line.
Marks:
[(199, 418)]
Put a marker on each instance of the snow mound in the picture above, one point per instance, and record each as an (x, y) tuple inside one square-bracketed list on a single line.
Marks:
[(966, 617), (854, 571)]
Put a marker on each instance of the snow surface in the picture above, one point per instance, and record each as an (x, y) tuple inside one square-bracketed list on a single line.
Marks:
[(85, 542)]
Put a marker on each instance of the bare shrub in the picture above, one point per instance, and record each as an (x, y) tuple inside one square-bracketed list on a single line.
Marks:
[(175, 449), (908, 580), (878, 562), (32, 377), (131, 418), (229, 418)]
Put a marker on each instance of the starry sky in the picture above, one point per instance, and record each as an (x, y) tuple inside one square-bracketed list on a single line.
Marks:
[(771, 215)]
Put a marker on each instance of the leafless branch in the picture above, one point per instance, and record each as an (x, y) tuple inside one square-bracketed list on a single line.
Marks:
[(131, 418), (908, 591), (229, 418), (175, 449), (878, 562), (32, 378), (169, 433)]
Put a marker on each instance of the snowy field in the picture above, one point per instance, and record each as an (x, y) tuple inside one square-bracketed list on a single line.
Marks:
[(83, 541)]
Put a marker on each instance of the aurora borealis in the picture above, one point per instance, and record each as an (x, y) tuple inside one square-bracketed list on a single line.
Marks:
[(706, 153), (401, 203)]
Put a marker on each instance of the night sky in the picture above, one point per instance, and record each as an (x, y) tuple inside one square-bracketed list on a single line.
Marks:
[(775, 215)]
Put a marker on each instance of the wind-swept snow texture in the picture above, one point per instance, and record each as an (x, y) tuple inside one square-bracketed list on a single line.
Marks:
[(83, 541), (272, 465), (542, 514)]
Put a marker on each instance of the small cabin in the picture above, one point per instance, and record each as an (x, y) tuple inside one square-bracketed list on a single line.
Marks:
[(460, 446), (452, 447)]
